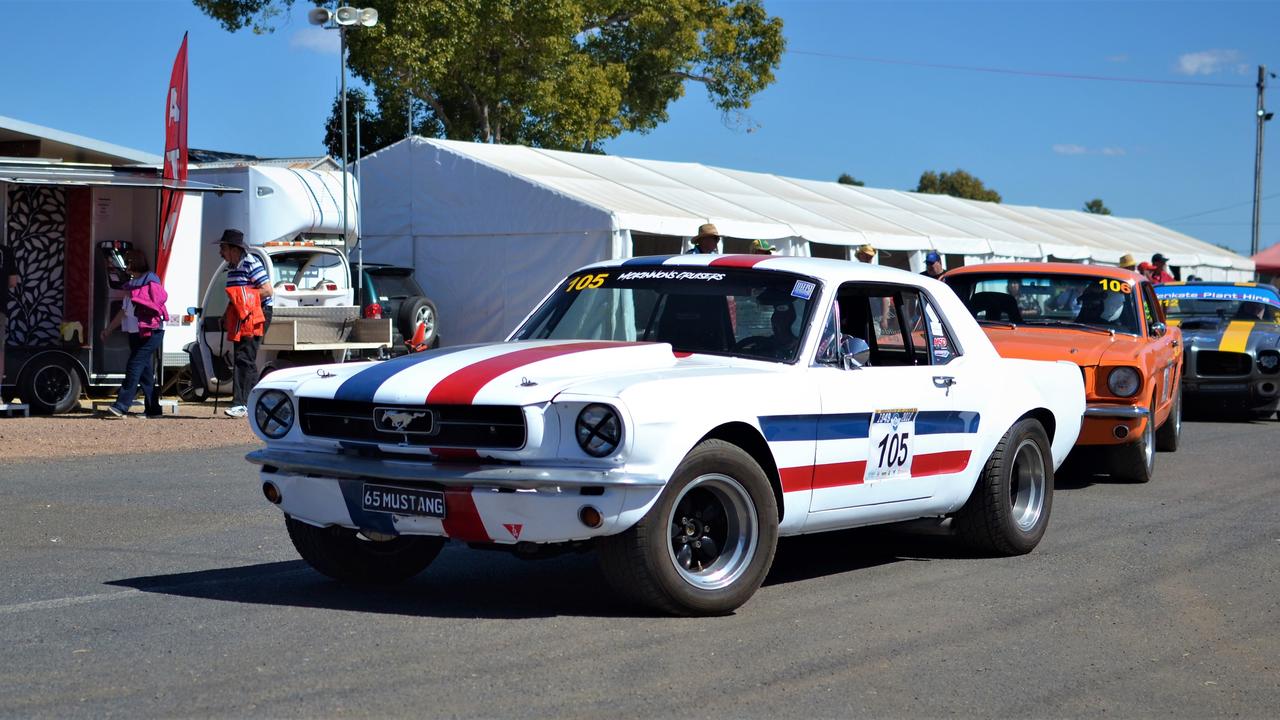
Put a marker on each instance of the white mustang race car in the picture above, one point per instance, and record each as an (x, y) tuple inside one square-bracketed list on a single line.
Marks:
[(679, 413)]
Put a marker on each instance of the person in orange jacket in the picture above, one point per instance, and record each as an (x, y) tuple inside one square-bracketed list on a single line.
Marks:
[(247, 317)]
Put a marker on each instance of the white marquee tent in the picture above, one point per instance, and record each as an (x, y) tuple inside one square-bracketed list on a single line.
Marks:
[(490, 228)]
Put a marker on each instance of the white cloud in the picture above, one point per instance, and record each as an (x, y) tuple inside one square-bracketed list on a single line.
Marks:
[(316, 39), (1071, 149), (1209, 62), (1119, 58)]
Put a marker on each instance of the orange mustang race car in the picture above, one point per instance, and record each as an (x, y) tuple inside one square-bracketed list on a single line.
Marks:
[(1110, 323)]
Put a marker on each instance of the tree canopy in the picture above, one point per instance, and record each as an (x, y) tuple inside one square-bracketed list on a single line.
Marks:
[(551, 73), (956, 184), (1096, 207), (847, 179)]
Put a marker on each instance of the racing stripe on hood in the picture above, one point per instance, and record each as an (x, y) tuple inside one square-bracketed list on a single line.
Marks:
[(462, 386), (1236, 337), (362, 386)]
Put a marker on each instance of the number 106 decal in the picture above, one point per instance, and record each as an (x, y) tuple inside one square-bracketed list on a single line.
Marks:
[(891, 438)]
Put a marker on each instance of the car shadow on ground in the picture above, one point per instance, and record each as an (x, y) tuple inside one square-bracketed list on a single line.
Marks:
[(465, 583)]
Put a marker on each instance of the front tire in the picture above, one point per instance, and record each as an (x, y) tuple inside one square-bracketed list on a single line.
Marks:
[(1008, 512), (1171, 431), (706, 545), (343, 555), (51, 388), (1136, 461)]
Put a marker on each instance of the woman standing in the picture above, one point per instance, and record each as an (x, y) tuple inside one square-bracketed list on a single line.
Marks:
[(142, 317)]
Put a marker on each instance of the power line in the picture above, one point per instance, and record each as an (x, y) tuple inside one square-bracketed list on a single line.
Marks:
[(1029, 73), (1208, 212)]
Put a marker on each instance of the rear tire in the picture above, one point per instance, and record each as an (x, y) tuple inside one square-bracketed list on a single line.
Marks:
[(343, 555), (1170, 432), (1008, 512), (50, 388), (706, 545)]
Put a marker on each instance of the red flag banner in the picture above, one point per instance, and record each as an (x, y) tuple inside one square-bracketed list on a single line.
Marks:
[(175, 156)]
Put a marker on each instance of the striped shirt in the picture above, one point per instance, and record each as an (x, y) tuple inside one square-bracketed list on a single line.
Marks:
[(250, 272)]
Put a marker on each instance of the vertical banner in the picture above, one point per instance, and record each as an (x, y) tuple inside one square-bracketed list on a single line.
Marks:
[(175, 156)]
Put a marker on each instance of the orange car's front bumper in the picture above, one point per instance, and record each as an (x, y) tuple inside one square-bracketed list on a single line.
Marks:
[(1107, 424)]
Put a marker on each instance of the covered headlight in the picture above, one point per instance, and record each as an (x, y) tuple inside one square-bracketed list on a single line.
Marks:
[(1269, 361), (598, 430), (1124, 382), (274, 414)]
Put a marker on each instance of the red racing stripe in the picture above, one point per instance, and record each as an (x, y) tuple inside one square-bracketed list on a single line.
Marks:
[(739, 261), (839, 474), (795, 479), (939, 463), (461, 387), (461, 519)]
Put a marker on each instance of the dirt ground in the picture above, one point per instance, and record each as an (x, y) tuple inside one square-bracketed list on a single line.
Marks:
[(86, 433)]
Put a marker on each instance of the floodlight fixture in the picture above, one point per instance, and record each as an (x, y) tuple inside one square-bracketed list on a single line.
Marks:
[(368, 17), (346, 15), (319, 16)]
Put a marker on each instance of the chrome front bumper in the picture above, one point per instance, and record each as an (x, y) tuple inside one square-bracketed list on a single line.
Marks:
[(516, 477), (1128, 412)]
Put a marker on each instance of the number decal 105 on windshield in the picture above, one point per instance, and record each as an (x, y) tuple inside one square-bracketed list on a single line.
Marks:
[(582, 282)]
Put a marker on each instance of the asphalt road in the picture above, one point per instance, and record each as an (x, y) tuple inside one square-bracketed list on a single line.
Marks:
[(165, 586)]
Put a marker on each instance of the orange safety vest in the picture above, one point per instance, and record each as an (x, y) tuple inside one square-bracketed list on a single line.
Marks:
[(244, 316)]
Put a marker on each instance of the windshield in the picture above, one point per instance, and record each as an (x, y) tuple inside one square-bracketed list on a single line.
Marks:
[(747, 313), (308, 269), (1228, 302), (1049, 299)]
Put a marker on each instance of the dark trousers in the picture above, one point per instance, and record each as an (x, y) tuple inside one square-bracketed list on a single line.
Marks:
[(245, 362), (140, 373)]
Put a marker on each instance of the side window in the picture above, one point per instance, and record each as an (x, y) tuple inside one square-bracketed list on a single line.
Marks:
[(942, 349), (896, 322), (1149, 304)]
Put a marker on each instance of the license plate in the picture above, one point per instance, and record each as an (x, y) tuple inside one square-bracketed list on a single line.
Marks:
[(402, 501)]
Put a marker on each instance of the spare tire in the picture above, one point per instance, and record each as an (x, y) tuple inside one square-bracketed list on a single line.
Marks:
[(416, 310)]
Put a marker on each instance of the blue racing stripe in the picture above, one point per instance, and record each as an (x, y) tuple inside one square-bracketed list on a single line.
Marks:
[(939, 422), (361, 386), (853, 426)]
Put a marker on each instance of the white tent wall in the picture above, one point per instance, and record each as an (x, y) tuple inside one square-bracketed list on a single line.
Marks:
[(485, 244), (489, 228)]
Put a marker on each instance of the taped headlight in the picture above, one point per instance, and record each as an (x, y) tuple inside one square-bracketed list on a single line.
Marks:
[(1269, 361), (274, 414), (598, 429), (1124, 382)]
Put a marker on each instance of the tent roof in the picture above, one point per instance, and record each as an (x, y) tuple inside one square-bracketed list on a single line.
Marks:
[(671, 198), (1268, 261), (28, 140)]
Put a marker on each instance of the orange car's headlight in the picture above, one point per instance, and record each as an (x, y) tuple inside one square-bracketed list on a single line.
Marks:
[(1124, 381)]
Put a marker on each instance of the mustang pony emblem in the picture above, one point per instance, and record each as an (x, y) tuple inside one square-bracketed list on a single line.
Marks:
[(402, 420)]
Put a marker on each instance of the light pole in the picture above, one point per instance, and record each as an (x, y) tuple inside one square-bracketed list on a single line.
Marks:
[(341, 19), (1263, 116)]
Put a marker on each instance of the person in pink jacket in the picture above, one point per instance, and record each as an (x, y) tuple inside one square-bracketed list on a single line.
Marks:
[(142, 316)]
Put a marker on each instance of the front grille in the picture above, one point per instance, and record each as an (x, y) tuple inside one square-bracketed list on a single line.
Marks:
[(497, 427), (1217, 363)]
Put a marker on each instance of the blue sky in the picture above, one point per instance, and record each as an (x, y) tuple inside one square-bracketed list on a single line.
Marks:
[(860, 91)]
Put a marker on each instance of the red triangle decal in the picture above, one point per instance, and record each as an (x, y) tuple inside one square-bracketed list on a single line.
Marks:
[(514, 530)]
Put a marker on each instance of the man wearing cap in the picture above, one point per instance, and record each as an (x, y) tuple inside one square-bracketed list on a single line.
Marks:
[(706, 241), (932, 265), (865, 253), (1128, 263), (245, 271), (1159, 270), (763, 247)]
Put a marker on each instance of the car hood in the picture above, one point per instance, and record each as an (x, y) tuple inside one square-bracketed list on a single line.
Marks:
[(1081, 347), (514, 373), (1232, 335)]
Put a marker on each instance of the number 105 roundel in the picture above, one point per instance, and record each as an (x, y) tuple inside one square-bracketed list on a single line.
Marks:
[(677, 415)]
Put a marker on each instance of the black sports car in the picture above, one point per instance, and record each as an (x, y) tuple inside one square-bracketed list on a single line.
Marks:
[(1232, 332)]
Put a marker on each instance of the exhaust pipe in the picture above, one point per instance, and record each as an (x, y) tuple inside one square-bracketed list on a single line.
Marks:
[(272, 493), (590, 517), (1121, 432)]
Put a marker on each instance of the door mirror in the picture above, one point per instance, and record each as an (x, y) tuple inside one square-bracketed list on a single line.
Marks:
[(194, 310), (1158, 329), (854, 352)]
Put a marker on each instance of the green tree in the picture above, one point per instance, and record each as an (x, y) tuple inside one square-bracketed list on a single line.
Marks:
[(551, 73), (1096, 207), (382, 122), (847, 179), (956, 184)]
